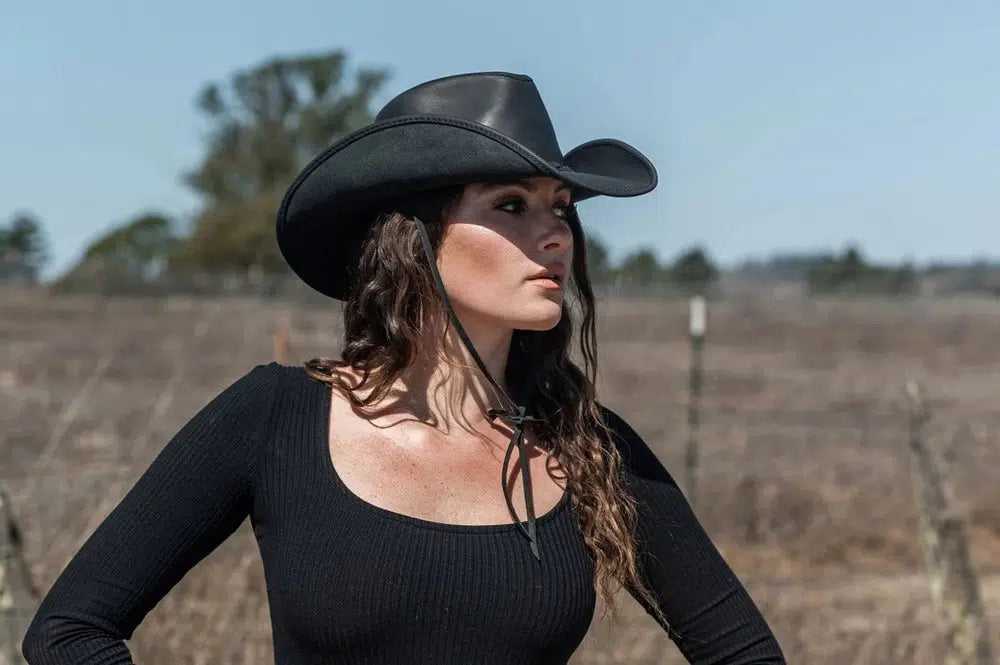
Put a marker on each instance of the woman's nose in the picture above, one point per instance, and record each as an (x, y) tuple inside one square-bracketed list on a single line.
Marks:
[(556, 230)]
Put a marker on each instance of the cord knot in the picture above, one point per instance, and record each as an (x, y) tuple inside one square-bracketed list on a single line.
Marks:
[(517, 419)]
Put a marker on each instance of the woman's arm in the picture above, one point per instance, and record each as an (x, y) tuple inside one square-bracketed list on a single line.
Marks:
[(192, 497), (712, 618)]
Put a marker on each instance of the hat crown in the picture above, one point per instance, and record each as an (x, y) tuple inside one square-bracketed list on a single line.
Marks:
[(507, 103)]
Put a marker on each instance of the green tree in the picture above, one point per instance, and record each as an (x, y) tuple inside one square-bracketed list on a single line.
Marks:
[(134, 252), (852, 266), (598, 263), (843, 273), (902, 280), (641, 267), (24, 249), (851, 273), (694, 271), (265, 125)]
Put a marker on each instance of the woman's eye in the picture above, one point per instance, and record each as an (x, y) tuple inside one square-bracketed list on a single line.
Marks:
[(517, 205), (513, 205)]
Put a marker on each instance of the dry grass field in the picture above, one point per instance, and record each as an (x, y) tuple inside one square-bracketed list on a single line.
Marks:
[(806, 480)]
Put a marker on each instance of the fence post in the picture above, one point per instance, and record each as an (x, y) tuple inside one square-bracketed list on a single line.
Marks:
[(691, 457), (12, 606), (953, 582), (282, 334)]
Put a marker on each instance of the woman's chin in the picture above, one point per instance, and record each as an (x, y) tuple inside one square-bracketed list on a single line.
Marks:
[(540, 317)]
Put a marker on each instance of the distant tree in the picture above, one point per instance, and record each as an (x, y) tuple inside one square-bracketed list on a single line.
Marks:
[(786, 265), (598, 263), (264, 127), (136, 251), (694, 271), (851, 273), (841, 273), (823, 276), (902, 280), (24, 249), (852, 267), (641, 267), (797, 266)]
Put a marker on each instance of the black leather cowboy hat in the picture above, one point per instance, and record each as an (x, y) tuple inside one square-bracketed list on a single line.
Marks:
[(451, 130)]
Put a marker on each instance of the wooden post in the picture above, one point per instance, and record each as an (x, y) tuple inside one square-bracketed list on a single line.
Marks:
[(282, 335), (953, 582), (691, 458), (14, 587)]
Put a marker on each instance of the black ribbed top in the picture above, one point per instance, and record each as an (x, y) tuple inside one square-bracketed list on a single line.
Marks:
[(350, 582)]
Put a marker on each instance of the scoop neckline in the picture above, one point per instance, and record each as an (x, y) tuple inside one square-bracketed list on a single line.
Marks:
[(323, 436)]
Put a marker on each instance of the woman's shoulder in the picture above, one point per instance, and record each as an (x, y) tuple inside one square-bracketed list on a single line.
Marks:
[(261, 387), (279, 372), (251, 395), (293, 383), (639, 458)]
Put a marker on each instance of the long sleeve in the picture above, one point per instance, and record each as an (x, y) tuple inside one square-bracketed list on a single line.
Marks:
[(193, 496), (712, 619)]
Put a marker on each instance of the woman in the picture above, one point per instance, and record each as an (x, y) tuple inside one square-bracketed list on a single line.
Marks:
[(449, 228)]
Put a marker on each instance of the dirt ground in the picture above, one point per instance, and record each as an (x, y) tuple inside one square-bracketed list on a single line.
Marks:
[(805, 484)]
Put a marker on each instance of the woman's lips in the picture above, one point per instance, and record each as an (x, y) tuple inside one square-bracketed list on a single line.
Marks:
[(547, 282)]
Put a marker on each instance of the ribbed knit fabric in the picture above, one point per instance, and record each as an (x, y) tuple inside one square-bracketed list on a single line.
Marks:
[(351, 583)]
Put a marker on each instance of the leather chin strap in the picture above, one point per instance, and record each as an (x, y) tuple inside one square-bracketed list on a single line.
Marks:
[(514, 416)]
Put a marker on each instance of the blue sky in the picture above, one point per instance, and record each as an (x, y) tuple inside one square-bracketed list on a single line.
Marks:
[(775, 125)]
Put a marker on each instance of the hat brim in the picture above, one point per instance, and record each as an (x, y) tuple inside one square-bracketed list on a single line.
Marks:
[(319, 222)]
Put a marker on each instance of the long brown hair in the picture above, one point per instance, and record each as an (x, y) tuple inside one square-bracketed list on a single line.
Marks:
[(383, 319)]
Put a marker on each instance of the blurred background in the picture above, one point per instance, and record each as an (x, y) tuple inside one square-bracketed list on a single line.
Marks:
[(828, 191)]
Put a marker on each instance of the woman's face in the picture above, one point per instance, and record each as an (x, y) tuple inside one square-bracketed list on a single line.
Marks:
[(497, 237)]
